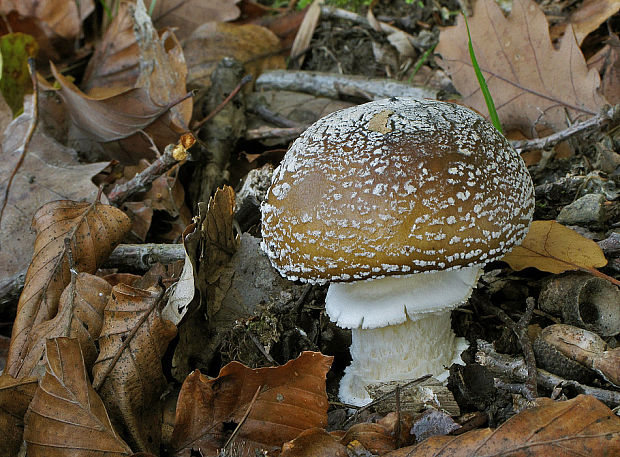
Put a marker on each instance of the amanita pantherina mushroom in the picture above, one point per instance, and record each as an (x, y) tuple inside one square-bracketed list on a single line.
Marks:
[(399, 203)]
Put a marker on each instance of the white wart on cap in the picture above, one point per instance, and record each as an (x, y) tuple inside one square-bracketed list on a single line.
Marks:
[(395, 187)]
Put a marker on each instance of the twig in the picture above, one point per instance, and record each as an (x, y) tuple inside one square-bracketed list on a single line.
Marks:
[(99, 382), (142, 181), (384, 396), (515, 368), (246, 79), (520, 329), (260, 347), (608, 114), (143, 256), (272, 117), (275, 132), (242, 421), (397, 428), (29, 133)]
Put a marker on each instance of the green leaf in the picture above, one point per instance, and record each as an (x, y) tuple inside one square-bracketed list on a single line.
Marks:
[(483, 84), (15, 82)]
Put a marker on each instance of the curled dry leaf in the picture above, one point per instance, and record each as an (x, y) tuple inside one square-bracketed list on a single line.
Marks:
[(93, 229), (590, 15), (128, 372), (532, 84), (66, 417), (80, 316), (582, 426), (314, 442), (374, 437), (254, 46), (114, 64), (291, 398), (61, 17), (550, 246), (15, 396), (50, 171)]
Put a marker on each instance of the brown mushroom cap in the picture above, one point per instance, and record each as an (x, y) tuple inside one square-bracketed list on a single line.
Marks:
[(395, 187)]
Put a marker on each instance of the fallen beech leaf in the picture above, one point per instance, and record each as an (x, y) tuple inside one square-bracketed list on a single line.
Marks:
[(291, 398), (15, 82), (93, 229), (588, 16), (214, 273), (582, 426), (187, 15), (184, 289), (314, 442), (80, 316), (15, 396), (254, 46), (62, 17), (66, 416), (374, 437), (128, 372), (114, 64), (550, 246), (50, 171), (521, 68)]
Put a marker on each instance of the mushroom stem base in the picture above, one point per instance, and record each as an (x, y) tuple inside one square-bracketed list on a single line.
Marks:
[(399, 353)]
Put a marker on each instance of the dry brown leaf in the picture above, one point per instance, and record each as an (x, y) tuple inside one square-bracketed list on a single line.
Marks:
[(128, 372), (590, 15), (15, 396), (314, 442), (219, 245), (62, 17), (93, 230), (607, 62), (579, 427), (291, 398), (50, 171), (66, 417), (80, 316), (114, 64), (162, 69), (187, 15), (254, 46), (533, 85), (374, 437), (550, 246)]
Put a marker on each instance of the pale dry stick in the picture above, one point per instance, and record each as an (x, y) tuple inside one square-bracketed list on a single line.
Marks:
[(143, 256), (275, 132), (515, 368), (607, 114), (98, 383), (29, 133)]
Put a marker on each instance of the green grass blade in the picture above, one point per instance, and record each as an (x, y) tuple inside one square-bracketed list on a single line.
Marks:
[(483, 84)]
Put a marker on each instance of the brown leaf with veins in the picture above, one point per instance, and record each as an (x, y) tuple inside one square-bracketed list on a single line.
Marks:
[(80, 316), (291, 398), (533, 85), (579, 427), (66, 417), (49, 172), (187, 15), (550, 246), (15, 396), (128, 372), (590, 15), (93, 229), (314, 442), (114, 63)]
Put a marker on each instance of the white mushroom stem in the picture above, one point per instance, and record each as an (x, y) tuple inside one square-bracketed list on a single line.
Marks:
[(401, 327)]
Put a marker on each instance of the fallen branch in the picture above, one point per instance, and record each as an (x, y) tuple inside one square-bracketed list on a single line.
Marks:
[(607, 114), (285, 133), (141, 257), (514, 368)]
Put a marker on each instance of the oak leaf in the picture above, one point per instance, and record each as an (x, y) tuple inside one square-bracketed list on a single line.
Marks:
[(533, 85), (279, 402), (66, 417), (550, 246), (128, 372), (93, 230), (80, 316), (582, 426), (15, 396), (590, 15)]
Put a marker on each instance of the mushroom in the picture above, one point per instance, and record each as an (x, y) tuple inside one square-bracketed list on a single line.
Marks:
[(399, 203)]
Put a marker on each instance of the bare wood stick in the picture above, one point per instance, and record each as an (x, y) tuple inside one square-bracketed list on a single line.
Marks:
[(515, 368), (275, 132), (143, 256), (142, 181), (608, 114)]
